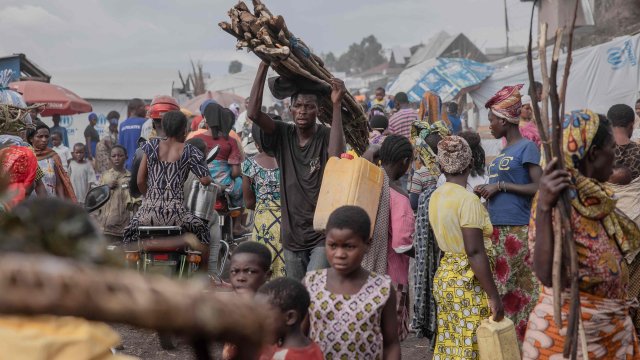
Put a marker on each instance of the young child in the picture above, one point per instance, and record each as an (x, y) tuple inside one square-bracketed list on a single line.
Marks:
[(250, 268), (621, 176), (81, 173), (115, 215), (353, 311), (290, 302), (61, 150)]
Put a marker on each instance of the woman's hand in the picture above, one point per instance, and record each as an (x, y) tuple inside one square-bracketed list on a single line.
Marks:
[(497, 310), (113, 184), (337, 90), (552, 183), (487, 191)]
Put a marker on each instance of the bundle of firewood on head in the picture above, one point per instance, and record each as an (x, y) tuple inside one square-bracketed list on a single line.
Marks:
[(269, 38)]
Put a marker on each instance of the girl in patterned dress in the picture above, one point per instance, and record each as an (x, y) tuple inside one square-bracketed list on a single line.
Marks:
[(353, 311)]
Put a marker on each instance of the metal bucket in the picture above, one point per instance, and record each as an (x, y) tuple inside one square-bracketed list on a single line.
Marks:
[(202, 199)]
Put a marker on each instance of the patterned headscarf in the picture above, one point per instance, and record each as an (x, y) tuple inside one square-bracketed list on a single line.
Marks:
[(594, 200), (454, 154), (419, 132), (506, 103), (431, 109)]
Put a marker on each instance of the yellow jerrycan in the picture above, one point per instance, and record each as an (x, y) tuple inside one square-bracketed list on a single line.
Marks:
[(348, 181), (497, 340)]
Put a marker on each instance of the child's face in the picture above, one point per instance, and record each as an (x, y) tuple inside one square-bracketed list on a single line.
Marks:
[(55, 140), (247, 273), (345, 250), (118, 158), (78, 153)]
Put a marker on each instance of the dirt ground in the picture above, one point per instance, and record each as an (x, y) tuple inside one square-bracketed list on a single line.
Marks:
[(144, 344)]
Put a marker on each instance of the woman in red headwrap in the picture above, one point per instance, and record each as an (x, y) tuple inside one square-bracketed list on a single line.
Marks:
[(513, 181)]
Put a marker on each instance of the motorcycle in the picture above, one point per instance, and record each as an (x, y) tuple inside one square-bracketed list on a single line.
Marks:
[(166, 250)]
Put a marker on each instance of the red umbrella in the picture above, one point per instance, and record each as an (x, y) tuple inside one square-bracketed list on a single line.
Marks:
[(223, 98), (57, 99)]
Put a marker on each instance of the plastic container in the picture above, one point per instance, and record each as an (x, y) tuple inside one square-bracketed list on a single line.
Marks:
[(497, 340), (348, 182)]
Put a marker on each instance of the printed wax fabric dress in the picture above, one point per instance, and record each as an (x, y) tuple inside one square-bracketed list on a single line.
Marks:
[(267, 216), (163, 204), (347, 326)]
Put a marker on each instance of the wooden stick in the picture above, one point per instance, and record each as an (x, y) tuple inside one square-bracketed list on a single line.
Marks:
[(568, 63), (542, 53), (43, 284), (546, 146), (557, 268)]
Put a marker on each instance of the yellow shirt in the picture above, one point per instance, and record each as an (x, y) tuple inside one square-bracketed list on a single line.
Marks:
[(452, 208)]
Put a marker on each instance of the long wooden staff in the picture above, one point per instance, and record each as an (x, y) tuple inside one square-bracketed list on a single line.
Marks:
[(42, 284), (564, 244)]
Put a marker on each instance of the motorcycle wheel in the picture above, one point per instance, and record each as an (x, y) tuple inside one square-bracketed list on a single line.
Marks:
[(167, 341)]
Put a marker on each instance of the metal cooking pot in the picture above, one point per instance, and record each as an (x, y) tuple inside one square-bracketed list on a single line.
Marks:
[(202, 199)]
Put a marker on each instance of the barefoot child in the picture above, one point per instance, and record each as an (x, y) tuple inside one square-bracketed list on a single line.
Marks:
[(115, 215), (353, 311), (250, 268), (290, 302), (81, 173)]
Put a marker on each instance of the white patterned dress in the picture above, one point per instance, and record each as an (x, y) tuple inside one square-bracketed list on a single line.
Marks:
[(347, 326)]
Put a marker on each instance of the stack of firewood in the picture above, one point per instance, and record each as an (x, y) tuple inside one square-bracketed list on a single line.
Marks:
[(269, 38)]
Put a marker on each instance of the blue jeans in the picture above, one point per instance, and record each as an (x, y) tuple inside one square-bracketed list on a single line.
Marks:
[(298, 263)]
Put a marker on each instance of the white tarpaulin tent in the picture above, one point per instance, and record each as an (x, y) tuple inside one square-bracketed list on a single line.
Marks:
[(601, 76)]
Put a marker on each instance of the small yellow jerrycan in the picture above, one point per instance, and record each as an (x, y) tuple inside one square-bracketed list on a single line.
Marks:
[(497, 340), (348, 181)]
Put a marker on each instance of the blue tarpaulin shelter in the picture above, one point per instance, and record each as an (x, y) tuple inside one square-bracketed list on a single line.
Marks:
[(446, 77)]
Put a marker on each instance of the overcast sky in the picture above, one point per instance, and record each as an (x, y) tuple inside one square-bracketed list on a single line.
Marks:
[(126, 36)]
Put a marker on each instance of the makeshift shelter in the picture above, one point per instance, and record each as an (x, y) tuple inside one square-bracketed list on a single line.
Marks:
[(446, 77), (601, 76), (444, 45)]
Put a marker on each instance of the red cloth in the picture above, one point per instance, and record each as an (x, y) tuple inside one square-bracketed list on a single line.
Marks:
[(309, 352), (229, 150), (21, 164), (196, 122)]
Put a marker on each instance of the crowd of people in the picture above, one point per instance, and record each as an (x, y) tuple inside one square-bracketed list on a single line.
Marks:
[(458, 237)]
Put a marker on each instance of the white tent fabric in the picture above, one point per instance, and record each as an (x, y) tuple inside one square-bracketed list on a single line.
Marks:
[(601, 76), (240, 84)]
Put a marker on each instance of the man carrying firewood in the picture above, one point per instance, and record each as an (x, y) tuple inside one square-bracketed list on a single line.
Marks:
[(302, 150)]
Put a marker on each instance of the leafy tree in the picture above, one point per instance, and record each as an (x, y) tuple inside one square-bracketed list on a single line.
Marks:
[(235, 67), (360, 57), (330, 60)]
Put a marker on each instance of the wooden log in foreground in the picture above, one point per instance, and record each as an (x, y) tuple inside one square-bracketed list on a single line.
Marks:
[(42, 284)]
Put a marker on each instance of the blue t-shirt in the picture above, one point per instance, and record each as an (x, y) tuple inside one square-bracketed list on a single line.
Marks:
[(128, 135), (511, 166), (456, 124)]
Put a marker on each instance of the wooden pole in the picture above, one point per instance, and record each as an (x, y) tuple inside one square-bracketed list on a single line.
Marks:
[(43, 284)]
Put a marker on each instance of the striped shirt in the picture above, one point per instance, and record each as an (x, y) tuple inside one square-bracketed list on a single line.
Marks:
[(400, 122)]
